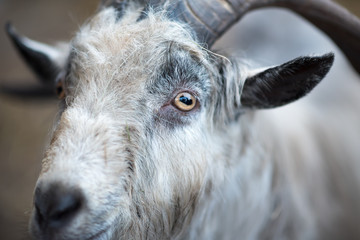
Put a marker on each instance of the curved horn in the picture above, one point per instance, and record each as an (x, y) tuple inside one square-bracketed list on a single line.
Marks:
[(211, 18)]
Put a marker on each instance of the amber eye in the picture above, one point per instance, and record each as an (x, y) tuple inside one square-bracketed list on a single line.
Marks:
[(185, 101), (60, 91)]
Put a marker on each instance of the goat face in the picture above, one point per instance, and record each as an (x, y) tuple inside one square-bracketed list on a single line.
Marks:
[(141, 134), (122, 143)]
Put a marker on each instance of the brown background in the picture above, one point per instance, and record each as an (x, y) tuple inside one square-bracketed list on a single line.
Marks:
[(24, 124)]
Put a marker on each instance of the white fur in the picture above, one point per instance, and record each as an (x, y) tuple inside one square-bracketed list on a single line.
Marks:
[(261, 177)]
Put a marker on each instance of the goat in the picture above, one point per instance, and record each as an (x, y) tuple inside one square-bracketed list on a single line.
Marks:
[(160, 138)]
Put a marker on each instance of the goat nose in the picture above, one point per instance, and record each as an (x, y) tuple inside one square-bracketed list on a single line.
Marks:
[(57, 206)]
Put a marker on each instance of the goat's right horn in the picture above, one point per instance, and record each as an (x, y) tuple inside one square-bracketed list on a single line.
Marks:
[(211, 18)]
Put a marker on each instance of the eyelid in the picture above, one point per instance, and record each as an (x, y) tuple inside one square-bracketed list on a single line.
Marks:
[(186, 90)]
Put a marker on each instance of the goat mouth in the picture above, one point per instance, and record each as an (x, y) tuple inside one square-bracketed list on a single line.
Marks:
[(98, 235)]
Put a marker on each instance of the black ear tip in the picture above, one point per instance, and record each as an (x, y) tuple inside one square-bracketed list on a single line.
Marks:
[(325, 63), (326, 60), (329, 58), (11, 31), (9, 28)]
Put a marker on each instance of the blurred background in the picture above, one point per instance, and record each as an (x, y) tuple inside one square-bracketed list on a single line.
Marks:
[(25, 124)]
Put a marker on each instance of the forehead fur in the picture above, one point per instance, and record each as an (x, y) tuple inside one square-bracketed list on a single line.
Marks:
[(143, 44)]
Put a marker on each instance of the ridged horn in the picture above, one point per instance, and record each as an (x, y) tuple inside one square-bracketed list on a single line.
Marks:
[(210, 19)]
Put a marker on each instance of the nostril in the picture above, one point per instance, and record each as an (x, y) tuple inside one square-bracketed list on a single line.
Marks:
[(38, 215), (65, 206), (57, 206)]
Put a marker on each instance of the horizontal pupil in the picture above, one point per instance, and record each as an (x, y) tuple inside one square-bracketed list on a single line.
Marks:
[(186, 100)]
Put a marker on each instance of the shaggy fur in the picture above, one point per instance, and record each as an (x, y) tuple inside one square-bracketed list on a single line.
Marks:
[(150, 171)]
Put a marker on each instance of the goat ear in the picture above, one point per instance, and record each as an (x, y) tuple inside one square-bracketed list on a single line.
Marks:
[(46, 61), (286, 83)]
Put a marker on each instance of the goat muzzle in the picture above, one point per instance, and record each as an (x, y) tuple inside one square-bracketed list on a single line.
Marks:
[(55, 208)]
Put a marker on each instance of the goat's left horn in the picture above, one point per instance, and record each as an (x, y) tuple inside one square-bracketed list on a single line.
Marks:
[(211, 18)]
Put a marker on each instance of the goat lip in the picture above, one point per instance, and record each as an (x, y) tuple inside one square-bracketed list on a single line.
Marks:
[(98, 235)]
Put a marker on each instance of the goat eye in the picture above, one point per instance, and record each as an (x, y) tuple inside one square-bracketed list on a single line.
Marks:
[(60, 91), (185, 101)]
